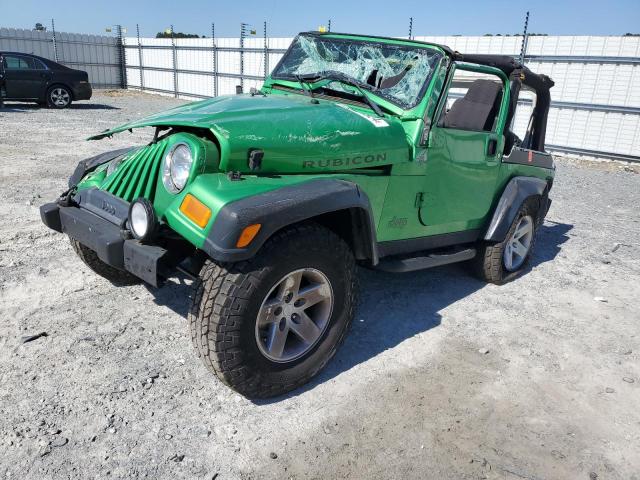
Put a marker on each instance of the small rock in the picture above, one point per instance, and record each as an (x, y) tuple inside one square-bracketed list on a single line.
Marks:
[(483, 351), (627, 352), (59, 442), (628, 379), (593, 476), (55, 431), (557, 454), (273, 455), (601, 299), (122, 388), (168, 436), (113, 430), (609, 390), (177, 458)]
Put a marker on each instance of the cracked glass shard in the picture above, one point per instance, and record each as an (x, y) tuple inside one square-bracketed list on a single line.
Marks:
[(398, 73)]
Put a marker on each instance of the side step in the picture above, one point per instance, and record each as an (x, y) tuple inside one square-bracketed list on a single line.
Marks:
[(429, 261)]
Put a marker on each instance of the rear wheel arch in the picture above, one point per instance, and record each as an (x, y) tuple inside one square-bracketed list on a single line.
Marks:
[(517, 191), (60, 84)]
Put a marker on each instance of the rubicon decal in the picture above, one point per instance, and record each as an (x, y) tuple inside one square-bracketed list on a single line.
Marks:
[(346, 161)]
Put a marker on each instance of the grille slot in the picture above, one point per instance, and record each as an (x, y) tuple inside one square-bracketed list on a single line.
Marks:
[(137, 174)]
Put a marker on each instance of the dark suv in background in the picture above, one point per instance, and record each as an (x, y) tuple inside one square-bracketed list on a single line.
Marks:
[(31, 78)]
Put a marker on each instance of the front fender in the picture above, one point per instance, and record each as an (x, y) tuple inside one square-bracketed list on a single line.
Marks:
[(285, 206), (515, 193)]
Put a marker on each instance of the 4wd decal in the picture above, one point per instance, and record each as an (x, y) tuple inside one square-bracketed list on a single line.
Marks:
[(357, 161)]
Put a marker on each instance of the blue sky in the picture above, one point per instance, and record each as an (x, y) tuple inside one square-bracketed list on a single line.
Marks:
[(285, 18)]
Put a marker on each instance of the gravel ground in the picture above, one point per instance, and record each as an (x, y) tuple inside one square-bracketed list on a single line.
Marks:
[(441, 376)]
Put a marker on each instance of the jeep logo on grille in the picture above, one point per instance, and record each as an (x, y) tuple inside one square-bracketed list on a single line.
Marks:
[(107, 207)]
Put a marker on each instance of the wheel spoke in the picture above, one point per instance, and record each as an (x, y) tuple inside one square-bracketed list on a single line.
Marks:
[(508, 257), (520, 249), (305, 328), (314, 294), (277, 340), (290, 285), (522, 230), (266, 313)]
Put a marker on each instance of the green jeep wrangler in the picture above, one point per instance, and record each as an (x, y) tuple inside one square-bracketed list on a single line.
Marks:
[(393, 154)]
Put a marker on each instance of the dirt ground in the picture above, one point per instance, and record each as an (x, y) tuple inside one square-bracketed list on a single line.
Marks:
[(441, 377)]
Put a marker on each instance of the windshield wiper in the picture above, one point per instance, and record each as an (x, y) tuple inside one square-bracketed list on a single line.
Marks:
[(347, 81)]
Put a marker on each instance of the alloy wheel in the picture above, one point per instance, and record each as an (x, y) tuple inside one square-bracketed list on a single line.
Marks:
[(518, 246), (294, 315), (60, 97)]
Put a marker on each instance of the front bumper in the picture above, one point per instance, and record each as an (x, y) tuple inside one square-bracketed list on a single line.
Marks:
[(108, 240)]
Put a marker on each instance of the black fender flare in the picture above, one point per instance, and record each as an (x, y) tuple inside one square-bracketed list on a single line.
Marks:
[(517, 191), (286, 206)]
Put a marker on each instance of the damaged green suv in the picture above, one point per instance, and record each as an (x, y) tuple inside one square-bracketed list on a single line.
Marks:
[(392, 154)]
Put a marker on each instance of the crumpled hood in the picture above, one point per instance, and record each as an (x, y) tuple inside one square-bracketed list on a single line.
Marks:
[(295, 133)]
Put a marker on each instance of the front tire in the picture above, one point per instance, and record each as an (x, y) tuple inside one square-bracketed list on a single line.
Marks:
[(91, 260), (59, 96), (267, 325), (500, 262)]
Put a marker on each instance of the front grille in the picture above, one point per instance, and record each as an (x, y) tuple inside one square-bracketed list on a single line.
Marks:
[(136, 176)]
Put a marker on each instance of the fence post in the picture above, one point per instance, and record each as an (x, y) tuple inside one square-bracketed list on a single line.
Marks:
[(55, 45), (266, 51), (329, 25), (122, 57), (140, 58), (525, 39), (215, 59), (242, 34), (175, 72), (410, 28)]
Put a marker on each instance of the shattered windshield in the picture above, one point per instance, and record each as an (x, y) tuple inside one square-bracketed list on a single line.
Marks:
[(398, 73)]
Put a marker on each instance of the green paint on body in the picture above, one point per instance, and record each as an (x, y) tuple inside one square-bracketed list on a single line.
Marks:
[(306, 138)]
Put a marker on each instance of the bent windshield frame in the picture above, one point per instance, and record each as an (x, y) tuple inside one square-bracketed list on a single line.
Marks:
[(397, 73)]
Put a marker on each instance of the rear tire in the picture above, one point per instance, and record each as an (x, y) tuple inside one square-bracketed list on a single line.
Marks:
[(91, 259), (229, 298), (59, 96), (491, 263)]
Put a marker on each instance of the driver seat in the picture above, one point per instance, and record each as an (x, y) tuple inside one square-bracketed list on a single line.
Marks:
[(477, 110)]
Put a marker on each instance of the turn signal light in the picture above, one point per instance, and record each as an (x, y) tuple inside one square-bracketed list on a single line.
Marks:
[(248, 234), (195, 210)]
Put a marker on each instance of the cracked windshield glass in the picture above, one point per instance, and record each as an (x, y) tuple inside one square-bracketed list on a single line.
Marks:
[(398, 73)]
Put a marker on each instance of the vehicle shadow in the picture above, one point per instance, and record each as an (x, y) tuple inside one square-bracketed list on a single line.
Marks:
[(26, 107), (392, 307), (550, 237)]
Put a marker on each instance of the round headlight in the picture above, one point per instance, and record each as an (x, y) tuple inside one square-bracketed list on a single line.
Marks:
[(176, 167), (142, 219)]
